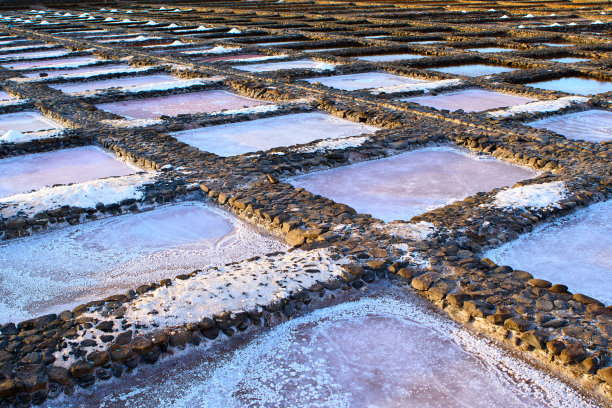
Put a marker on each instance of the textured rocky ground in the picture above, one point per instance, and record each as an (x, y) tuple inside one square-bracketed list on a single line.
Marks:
[(521, 161)]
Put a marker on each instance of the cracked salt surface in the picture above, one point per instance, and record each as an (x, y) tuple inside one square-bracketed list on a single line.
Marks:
[(353, 82), (76, 165), (592, 125), (409, 184), (63, 268), (470, 100), (575, 250), (172, 105), (263, 134), (381, 351)]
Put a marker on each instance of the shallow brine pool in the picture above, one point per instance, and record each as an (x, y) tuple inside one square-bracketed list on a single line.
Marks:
[(263, 134), (56, 63), (575, 85), (487, 50), (61, 269), (352, 82), (592, 125), (388, 57), (470, 100), (409, 184), (172, 105), (274, 66), (474, 70), (84, 70), (124, 83), (33, 171), (381, 351), (575, 251), (28, 121)]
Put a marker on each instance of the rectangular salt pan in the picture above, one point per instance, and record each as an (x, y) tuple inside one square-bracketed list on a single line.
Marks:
[(172, 105), (366, 80), (56, 63), (124, 83), (60, 269), (487, 50), (274, 66), (593, 125), (575, 251), (471, 100), (474, 70), (26, 122), (410, 184), (575, 85), (83, 70), (31, 172), (34, 55), (569, 60), (263, 134), (388, 57), (5, 97)]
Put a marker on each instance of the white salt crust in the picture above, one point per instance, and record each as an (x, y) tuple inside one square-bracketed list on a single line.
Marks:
[(540, 106), (533, 196)]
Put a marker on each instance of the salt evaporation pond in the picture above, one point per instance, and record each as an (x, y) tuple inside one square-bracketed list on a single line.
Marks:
[(569, 60), (274, 66), (263, 134), (56, 63), (388, 57), (84, 70), (409, 184), (28, 121), (35, 55), (5, 96), (76, 165), (592, 125), (574, 85), (385, 350), (230, 57), (487, 50), (74, 87), (470, 100), (352, 82), (575, 251), (474, 70), (60, 269), (172, 105)]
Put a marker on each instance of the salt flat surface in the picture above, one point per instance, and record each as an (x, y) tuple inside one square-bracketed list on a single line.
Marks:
[(409, 184), (33, 171), (239, 57), (470, 100), (172, 105), (575, 251), (57, 270), (491, 49), (263, 134), (380, 351), (352, 82), (474, 70), (116, 83), (418, 86), (531, 196), (570, 60), (388, 57), (575, 85), (34, 55), (540, 106), (28, 121), (5, 97), (56, 63), (109, 190), (592, 125), (85, 71), (274, 66)]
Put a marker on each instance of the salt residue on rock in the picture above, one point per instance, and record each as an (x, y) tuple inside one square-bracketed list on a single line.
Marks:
[(413, 231), (241, 287), (540, 106), (85, 195), (421, 86), (532, 196), (331, 144)]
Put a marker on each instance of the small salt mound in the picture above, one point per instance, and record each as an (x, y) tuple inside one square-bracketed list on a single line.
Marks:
[(13, 136), (234, 31)]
